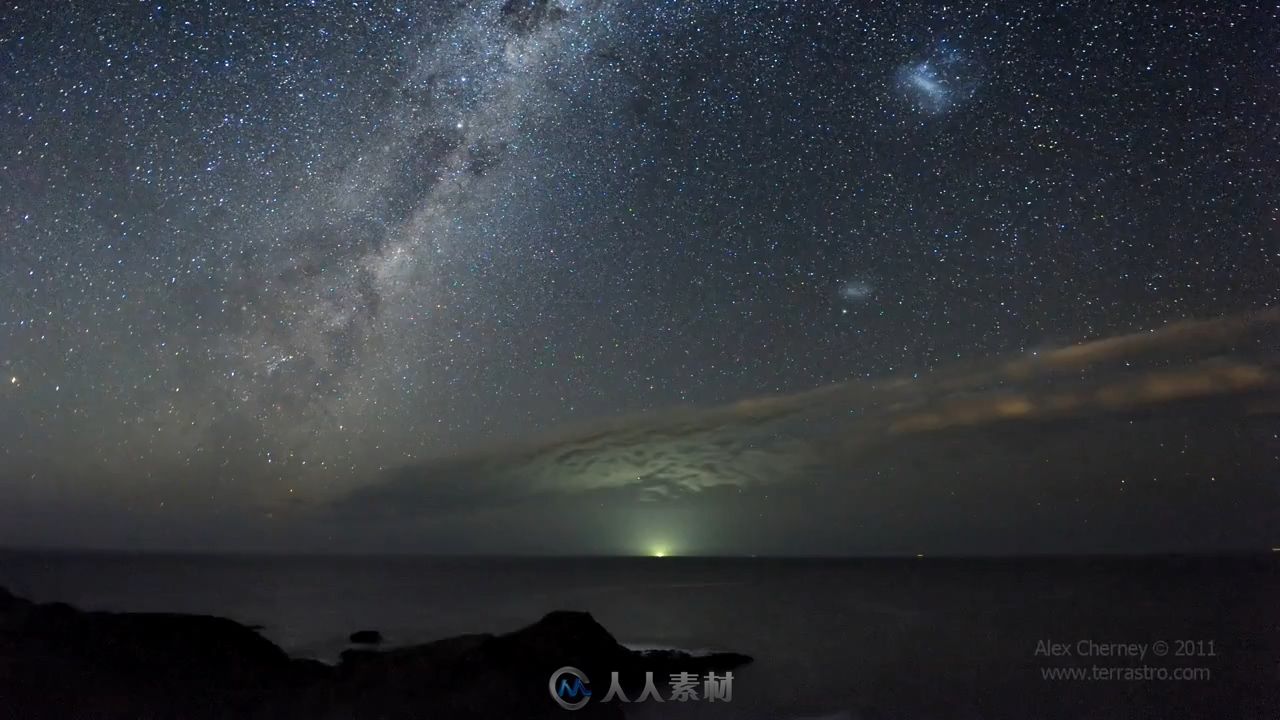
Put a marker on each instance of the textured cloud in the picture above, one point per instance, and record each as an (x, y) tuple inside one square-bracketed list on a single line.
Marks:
[(1212, 369)]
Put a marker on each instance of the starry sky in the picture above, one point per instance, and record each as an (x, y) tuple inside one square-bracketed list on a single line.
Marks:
[(440, 276)]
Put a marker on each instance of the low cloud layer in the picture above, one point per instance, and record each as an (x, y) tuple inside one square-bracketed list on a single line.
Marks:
[(846, 443)]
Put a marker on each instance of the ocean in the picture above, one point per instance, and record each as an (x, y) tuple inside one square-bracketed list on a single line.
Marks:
[(832, 638)]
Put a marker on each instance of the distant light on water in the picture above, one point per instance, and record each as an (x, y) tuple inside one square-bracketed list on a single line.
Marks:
[(659, 550)]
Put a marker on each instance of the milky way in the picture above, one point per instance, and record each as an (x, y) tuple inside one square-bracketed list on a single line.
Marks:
[(255, 255)]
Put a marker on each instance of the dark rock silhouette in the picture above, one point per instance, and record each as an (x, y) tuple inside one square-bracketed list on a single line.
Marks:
[(366, 637), (59, 662)]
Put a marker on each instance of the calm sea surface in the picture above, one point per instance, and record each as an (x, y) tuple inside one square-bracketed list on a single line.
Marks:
[(831, 638)]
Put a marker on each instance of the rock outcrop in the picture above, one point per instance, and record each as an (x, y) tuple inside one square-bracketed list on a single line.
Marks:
[(59, 662), (366, 637)]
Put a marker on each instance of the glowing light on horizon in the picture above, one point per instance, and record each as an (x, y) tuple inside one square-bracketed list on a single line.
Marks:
[(659, 551)]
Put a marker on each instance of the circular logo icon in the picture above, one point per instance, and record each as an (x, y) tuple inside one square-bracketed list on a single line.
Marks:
[(570, 688)]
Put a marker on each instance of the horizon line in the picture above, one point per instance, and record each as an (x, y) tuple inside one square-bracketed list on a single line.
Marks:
[(423, 554)]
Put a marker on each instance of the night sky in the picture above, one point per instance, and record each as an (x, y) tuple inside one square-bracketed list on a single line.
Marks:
[(571, 276)]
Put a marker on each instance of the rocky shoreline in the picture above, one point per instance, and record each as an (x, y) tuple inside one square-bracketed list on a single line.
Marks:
[(60, 662)]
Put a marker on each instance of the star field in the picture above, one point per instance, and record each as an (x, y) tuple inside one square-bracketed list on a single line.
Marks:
[(271, 250)]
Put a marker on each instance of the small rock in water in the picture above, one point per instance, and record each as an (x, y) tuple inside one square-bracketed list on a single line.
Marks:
[(366, 637)]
